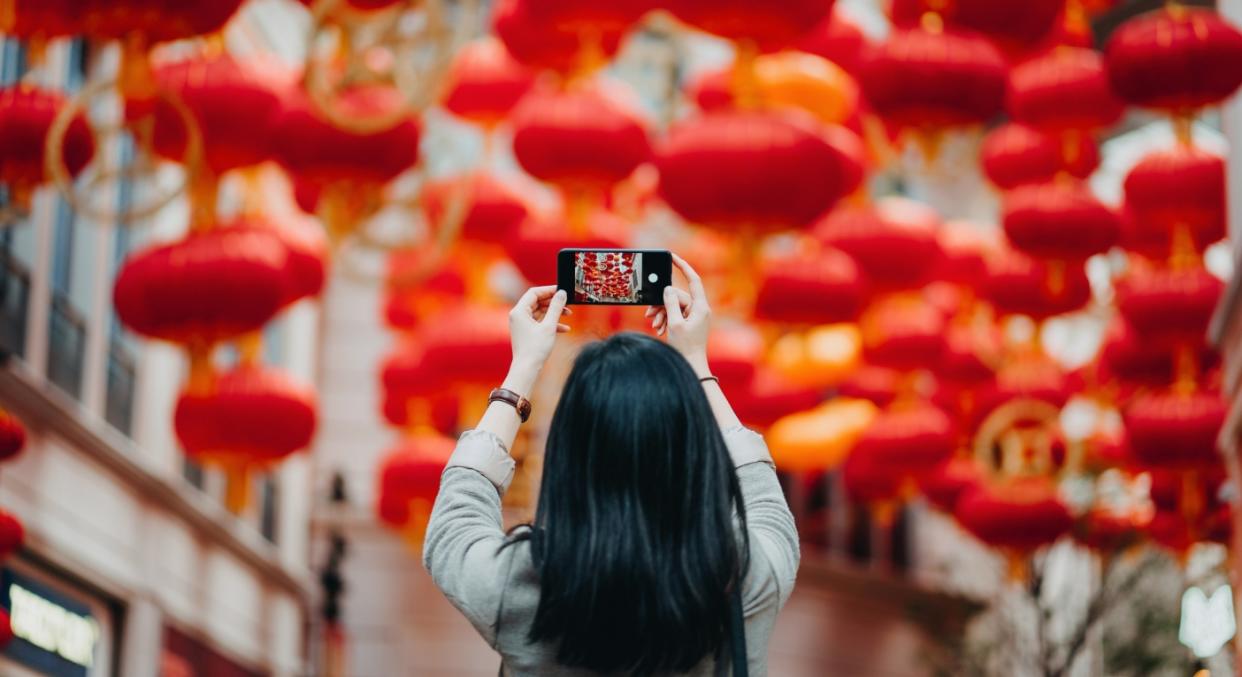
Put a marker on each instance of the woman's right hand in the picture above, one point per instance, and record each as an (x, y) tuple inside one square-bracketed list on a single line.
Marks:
[(686, 316)]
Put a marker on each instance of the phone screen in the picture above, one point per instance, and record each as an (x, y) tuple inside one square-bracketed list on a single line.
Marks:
[(625, 277)]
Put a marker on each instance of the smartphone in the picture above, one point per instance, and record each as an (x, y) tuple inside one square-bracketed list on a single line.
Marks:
[(614, 277)]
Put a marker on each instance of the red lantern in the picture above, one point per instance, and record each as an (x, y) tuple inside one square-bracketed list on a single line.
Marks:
[(1171, 530), (771, 396), (155, 20), (964, 248), (902, 333), (837, 39), (584, 16), (909, 438), (534, 245), (1059, 221), (1022, 285), (213, 285), (920, 78), (1132, 360), (1107, 449), (494, 208), (441, 412), (1028, 375), (756, 171), (6, 628), (878, 385), (414, 293), (809, 288), (1019, 515), (314, 150), (1169, 304), (38, 22), (1179, 188), (542, 45), (895, 242), (769, 25), (869, 482), (468, 345), (734, 354), (307, 249), (250, 416), (485, 83), (1108, 532), (348, 168), (586, 139), (12, 435), (233, 106), (1176, 429), (1065, 89), (12, 534), (406, 373), (26, 115), (409, 479), (945, 484), (1015, 155), (1016, 25), (1175, 58), (970, 355)]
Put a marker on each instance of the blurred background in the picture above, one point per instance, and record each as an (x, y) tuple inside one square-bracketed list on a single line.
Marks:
[(969, 258)]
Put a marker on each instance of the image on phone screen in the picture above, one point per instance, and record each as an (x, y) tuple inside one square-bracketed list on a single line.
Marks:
[(614, 276), (608, 277)]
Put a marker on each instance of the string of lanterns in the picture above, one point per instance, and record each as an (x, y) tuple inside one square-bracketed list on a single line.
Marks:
[(862, 333)]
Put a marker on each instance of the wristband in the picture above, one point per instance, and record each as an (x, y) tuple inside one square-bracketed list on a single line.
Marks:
[(519, 403)]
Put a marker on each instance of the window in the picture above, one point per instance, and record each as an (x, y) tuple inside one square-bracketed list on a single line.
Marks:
[(269, 496), (121, 361), (13, 63), (67, 326), (14, 289)]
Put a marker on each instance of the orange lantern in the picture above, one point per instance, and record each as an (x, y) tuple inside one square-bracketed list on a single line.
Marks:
[(821, 438)]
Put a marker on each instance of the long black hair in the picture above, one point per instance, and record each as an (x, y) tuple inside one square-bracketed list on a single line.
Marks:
[(634, 537)]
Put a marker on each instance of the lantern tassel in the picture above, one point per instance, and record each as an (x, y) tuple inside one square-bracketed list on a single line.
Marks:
[(237, 489)]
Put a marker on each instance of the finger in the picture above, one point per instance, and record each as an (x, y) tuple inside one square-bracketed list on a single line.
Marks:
[(672, 306), (562, 328), (651, 310), (537, 295), (696, 283), (684, 301), (658, 319), (555, 307)]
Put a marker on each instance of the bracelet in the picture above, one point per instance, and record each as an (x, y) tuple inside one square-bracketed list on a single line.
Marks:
[(705, 379)]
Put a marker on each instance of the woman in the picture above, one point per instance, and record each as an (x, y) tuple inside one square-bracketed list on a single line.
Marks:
[(654, 502)]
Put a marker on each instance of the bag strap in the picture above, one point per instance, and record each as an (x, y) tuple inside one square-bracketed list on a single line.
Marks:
[(737, 632)]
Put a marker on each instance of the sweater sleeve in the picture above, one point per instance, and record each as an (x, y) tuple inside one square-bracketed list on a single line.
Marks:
[(461, 549), (774, 545)]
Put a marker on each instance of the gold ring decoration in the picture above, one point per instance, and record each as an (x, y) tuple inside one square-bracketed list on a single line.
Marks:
[(443, 236), (1023, 430), (408, 47), (88, 196)]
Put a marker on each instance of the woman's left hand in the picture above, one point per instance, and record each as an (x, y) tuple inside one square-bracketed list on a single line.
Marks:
[(533, 325)]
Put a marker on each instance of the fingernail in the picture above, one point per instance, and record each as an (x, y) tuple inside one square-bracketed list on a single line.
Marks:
[(560, 294)]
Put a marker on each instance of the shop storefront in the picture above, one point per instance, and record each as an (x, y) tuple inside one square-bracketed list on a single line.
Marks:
[(60, 627)]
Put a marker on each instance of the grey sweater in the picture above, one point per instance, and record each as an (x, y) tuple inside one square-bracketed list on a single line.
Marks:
[(498, 590)]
